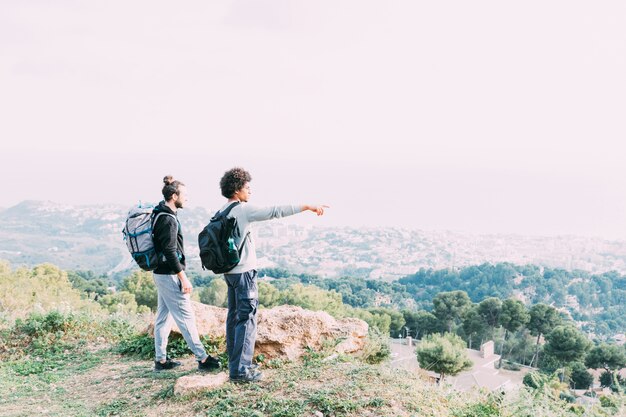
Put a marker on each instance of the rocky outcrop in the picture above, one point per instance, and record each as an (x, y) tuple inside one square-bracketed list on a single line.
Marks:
[(285, 331)]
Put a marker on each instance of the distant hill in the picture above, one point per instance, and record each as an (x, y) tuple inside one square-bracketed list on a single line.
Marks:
[(89, 237), (73, 237)]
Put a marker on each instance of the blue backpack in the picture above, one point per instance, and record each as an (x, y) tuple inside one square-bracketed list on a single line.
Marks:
[(139, 237)]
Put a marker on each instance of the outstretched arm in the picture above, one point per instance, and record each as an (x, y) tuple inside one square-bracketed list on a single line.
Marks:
[(257, 214), (319, 210)]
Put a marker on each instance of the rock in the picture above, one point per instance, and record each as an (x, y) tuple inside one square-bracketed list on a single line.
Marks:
[(285, 331), (194, 383)]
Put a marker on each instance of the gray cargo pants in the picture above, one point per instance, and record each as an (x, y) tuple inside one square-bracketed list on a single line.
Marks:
[(174, 304), (243, 300)]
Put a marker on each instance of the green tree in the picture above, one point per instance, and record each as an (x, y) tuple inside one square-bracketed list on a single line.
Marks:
[(381, 322), (611, 358), (612, 380), (580, 378), (474, 325), (545, 384), (425, 323), (396, 322), (269, 295), (605, 356), (450, 307), (490, 309), (313, 298), (119, 302), (566, 344), (215, 294), (44, 287), (410, 322), (513, 317), (444, 354), (141, 285), (89, 283), (543, 318)]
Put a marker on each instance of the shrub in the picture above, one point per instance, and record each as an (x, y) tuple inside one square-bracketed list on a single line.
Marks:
[(481, 409), (376, 348), (141, 285), (54, 332), (444, 354), (609, 379), (580, 378), (142, 346), (43, 288)]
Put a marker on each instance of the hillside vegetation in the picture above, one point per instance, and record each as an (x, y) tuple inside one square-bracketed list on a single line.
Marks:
[(65, 350)]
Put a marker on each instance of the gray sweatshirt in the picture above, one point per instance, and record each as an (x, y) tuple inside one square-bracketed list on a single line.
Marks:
[(247, 214)]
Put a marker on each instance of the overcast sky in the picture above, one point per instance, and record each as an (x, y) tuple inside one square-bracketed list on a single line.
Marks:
[(481, 116)]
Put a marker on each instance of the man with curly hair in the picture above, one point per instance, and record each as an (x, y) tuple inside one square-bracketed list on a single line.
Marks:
[(243, 296)]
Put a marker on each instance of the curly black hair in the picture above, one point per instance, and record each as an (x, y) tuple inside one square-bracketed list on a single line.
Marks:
[(233, 181)]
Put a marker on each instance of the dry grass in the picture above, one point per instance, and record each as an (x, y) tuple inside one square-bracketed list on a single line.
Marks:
[(108, 384)]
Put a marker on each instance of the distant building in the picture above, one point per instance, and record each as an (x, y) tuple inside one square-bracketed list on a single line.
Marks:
[(381, 299), (482, 375)]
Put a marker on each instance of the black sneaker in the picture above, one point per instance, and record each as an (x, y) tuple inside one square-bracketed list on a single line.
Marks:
[(210, 364), (168, 364), (250, 376)]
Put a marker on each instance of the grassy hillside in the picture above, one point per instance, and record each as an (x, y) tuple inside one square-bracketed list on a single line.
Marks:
[(71, 365), (62, 354), (105, 384)]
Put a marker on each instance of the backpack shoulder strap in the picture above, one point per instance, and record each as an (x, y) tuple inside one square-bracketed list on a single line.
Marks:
[(155, 218), (227, 210), (243, 242)]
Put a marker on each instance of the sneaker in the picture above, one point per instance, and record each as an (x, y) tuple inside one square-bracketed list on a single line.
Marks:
[(250, 376), (210, 364), (168, 364)]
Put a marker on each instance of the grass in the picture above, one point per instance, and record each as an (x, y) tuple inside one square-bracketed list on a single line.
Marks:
[(114, 385), (52, 368)]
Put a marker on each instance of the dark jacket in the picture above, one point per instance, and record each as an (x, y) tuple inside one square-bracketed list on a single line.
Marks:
[(168, 241)]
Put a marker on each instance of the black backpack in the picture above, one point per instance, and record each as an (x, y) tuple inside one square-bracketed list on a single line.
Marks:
[(216, 241)]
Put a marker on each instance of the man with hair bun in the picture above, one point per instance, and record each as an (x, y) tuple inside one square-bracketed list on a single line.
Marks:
[(173, 286), (243, 295)]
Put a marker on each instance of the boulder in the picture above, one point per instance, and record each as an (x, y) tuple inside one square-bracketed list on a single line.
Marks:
[(193, 383), (285, 331)]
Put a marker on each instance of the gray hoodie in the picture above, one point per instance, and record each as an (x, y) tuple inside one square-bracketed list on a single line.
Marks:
[(246, 214)]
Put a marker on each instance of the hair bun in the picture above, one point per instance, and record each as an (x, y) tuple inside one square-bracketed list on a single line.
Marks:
[(168, 179)]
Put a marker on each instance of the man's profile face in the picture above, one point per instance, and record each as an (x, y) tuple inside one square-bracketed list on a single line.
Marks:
[(244, 193), (181, 198)]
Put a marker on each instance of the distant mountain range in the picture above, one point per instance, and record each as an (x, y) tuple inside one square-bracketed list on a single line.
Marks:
[(90, 238)]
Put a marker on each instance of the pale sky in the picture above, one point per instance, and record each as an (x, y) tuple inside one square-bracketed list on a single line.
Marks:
[(481, 116)]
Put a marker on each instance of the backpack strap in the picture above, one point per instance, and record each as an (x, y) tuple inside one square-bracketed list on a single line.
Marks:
[(153, 223), (228, 209), (155, 218), (243, 242)]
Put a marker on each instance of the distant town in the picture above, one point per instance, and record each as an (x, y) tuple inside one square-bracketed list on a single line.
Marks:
[(89, 237)]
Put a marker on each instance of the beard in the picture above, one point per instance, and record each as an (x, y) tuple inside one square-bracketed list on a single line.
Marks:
[(178, 204)]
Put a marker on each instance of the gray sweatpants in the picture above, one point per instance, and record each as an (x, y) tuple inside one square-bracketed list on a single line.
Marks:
[(176, 306)]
